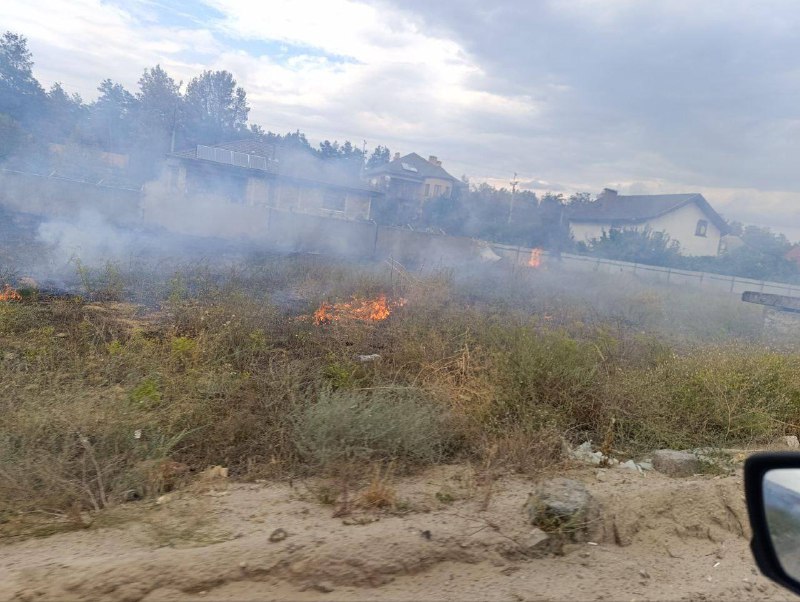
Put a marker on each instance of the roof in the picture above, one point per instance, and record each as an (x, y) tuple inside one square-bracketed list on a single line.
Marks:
[(621, 209), (413, 167), (290, 163)]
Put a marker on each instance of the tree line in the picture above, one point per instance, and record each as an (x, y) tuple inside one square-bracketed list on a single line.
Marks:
[(160, 115)]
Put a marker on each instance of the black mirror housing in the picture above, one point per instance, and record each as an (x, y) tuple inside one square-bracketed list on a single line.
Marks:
[(762, 545)]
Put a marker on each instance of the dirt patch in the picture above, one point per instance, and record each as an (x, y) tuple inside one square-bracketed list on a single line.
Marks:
[(657, 538)]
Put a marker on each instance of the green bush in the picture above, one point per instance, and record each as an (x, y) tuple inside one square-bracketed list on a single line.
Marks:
[(388, 424)]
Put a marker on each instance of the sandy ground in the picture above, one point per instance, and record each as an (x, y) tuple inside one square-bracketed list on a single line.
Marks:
[(658, 539)]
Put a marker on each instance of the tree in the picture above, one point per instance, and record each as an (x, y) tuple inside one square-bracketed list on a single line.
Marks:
[(637, 246), (328, 149), (380, 156), (64, 113), (159, 103), (216, 109), (111, 117), (21, 96)]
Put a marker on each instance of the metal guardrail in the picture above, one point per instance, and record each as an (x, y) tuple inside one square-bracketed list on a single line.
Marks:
[(229, 157)]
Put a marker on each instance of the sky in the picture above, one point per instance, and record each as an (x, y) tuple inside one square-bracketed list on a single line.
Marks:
[(657, 96)]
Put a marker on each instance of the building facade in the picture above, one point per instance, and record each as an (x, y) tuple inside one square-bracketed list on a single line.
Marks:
[(685, 218), (257, 174)]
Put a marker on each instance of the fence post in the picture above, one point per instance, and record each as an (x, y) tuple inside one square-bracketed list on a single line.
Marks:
[(733, 282), (669, 273)]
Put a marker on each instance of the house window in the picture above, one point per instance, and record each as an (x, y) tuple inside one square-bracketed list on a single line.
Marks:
[(333, 201), (702, 228), (447, 191), (437, 190), (427, 190)]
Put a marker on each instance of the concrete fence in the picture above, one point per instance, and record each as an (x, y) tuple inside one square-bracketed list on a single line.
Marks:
[(582, 263)]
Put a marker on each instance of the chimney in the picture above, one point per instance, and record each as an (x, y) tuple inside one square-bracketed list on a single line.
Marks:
[(434, 160), (396, 156)]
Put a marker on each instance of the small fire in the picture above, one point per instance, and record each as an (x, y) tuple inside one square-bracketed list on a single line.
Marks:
[(9, 294), (535, 259), (359, 310)]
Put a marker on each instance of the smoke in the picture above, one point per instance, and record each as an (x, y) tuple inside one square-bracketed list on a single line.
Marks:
[(91, 238)]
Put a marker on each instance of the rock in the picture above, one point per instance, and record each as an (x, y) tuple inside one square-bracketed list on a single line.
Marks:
[(631, 465), (537, 543), (372, 357), (584, 453), (676, 463), (164, 499), (278, 535), (323, 587), (563, 506), (789, 442)]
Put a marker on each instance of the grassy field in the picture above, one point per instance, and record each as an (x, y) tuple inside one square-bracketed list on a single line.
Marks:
[(148, 374)]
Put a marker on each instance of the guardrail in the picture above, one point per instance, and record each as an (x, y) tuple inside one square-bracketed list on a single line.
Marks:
[(229, 157)]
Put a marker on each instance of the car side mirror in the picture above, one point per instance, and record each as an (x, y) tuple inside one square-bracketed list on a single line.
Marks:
[(772, 491)]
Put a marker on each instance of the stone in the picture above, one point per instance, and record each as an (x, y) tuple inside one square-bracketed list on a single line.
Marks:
[(676, 463), (537, 543), (323, 587), (563, 506), (789, 441), (278, 535), (631, 465)]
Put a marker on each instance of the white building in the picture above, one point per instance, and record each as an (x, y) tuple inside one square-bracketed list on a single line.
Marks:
[(685, 218)]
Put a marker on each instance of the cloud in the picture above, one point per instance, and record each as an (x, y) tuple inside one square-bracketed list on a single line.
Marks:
[(669, 95)]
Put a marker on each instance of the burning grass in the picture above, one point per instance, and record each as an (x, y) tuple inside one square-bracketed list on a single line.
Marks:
[(8, 293), (359, 310), (219, 370)]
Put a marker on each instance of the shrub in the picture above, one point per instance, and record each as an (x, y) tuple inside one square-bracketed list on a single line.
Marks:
[(393, 423)]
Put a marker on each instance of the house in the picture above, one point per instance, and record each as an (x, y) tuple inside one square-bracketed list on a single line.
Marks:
[(413, 178), (685, 218), (259, 174)]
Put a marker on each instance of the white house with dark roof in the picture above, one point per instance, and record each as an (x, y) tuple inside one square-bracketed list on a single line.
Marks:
[(685, 218)]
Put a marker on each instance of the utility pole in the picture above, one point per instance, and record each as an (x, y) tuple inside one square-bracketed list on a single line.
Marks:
[(513, 183)]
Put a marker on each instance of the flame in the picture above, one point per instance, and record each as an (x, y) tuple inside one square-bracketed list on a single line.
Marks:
[(360, 310), (535, 260), (9, 294)]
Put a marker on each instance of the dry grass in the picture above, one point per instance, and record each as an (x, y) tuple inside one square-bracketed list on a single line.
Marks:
[(215, 369)]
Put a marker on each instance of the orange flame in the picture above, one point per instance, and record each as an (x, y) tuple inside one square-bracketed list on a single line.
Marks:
[(9, 294), (360, 310), (535, 259)]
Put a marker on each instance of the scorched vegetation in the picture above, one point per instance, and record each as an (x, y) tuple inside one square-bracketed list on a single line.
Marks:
[(303, 365)]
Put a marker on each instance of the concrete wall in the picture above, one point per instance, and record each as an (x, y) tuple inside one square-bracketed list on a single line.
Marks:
[(680, 225)]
